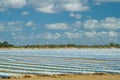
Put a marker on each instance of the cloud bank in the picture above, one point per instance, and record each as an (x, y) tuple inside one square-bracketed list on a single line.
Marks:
[(47, 6)]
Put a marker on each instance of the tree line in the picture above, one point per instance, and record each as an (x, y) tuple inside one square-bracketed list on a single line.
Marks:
[(110, 45), (5, 45)]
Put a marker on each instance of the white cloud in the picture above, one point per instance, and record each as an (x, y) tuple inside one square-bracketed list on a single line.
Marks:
[(77, 16), (47, 6), (52, 36), (13, 33), (102, 34), (78, 23), (90, 37), (11, 26), (103, 37), (30, 24), (12, 23), (93, 37), (32, 36), (72, 15), (110, 23), (112, 34), (98, 2), (90, 34), (25, 13), (22, 36), (4, 4), (107, 0), (2, 26), (72, 35), (57, 26), (75, 7), (53, 6), (46, 9), (91, 24), (2, 9)]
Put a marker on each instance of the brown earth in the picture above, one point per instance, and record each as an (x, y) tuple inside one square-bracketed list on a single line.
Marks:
[(67, 77)]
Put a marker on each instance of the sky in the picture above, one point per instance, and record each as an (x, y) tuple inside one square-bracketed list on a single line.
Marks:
[(80, 22)]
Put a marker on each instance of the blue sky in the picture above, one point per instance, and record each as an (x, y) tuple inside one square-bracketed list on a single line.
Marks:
[(60, 21)]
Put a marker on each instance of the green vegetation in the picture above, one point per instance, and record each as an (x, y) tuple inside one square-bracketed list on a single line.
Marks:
[(5, 45), (110, 45)]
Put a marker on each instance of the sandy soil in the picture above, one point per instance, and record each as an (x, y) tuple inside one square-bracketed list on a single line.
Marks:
[(67, 77)]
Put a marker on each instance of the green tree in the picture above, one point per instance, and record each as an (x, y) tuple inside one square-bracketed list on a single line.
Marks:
[(112, 44), (5, 43), (0, 44)]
